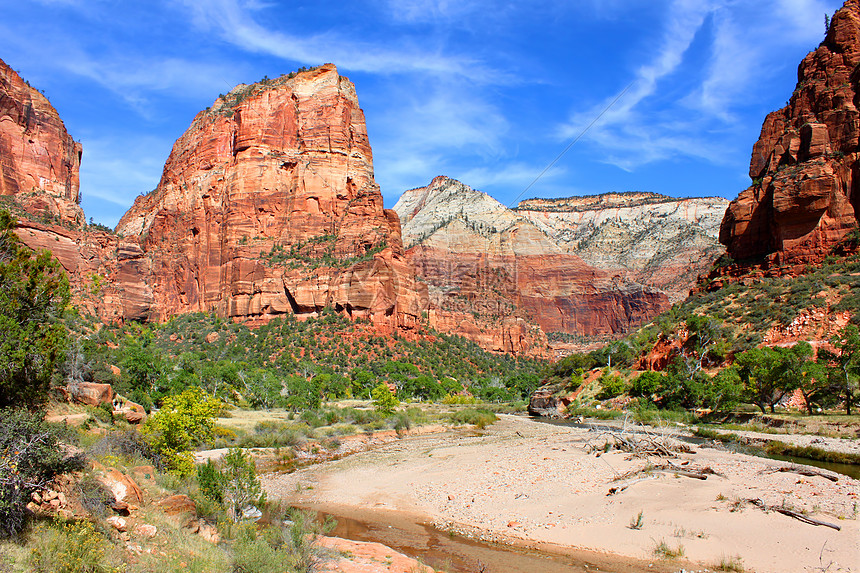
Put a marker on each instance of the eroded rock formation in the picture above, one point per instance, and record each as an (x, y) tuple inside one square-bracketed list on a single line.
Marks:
[(39, 160), (267, 205), (804, 198), (489, 268), (655, 240)]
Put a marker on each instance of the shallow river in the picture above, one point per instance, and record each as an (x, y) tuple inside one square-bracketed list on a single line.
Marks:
[(457, 554)]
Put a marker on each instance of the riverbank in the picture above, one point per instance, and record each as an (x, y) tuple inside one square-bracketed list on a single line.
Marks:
[(526, 483)]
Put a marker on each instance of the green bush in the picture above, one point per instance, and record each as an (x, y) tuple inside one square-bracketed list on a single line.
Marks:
[(241, 485), (210, 481), (30, 456), (383, 400), (183, 422), (73, 547), (477, 417), (34, 292), (611, 385)]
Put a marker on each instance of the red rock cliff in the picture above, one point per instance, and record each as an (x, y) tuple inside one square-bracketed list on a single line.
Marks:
[(268, 205), (805, 195), (39, 160)]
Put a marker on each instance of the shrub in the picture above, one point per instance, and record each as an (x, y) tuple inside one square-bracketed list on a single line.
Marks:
[(478, 417), (210, 481), (30, 456), (278, 549), (73, 547), (129, 444), (95, 497), (241, 485), (383, 400), (611, 385), (183, 421), (34, 292)]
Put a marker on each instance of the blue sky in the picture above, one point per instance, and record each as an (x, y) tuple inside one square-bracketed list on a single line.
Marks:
[(488, 92)]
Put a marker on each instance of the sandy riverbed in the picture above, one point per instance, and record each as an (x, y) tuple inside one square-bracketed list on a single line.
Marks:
[(527, 483)]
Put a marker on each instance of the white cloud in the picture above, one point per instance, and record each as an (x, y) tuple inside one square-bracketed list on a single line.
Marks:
[(745, 44), (118, 168), (236, 23)]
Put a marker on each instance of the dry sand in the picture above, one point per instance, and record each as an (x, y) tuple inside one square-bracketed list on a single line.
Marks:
[(526, 482)]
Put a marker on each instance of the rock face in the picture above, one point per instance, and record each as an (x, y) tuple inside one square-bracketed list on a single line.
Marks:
[(805, 197), (39, 160), (267, 205), (652, 239), (489, 268)]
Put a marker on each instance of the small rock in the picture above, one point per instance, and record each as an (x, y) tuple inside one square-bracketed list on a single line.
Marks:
[(36, 497), (514, 524), (117, 523), (145, 530), (251, 512), (49, 495), (62, 497), (209, 533)]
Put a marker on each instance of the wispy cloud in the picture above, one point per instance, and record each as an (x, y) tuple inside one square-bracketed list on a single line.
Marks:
[(116, 169), (643, 127), (236, 23)]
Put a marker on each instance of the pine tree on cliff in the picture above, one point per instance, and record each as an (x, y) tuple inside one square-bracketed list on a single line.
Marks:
[(34, 292)]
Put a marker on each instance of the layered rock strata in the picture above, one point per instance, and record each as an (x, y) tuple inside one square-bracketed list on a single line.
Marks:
[(267, 205), (39, 160), (492, 265), (804, 198), (655, 240)]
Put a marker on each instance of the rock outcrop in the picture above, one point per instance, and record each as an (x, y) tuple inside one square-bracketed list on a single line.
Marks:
[(490, 268), (655, 240), (267, 205), (39, 160), (804, 198)]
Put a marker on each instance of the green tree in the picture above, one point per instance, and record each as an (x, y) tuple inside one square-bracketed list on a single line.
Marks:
[(183, 421), (34, 292), (843, 365), (241, 485), (762, 374), (383, 400)]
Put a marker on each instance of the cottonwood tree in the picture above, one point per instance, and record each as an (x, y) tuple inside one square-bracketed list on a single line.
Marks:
[(843, 365)]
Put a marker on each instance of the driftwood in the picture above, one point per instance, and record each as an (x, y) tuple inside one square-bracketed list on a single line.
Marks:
[(685, 473), (620, 488), (799, 516), (640, 442), (805, 471)]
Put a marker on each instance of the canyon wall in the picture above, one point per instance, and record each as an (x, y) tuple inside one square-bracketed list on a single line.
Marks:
[(267, 205), (655, 240), (39, 160), (491, 264), (804, 198)]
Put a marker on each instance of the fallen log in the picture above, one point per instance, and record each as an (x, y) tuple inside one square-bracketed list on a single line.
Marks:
[(799, 516), (619, 489), (685, 473), (808, 472)]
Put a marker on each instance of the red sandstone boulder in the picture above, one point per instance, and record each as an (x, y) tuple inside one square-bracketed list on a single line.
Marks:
[(90, 393), (125, 491)]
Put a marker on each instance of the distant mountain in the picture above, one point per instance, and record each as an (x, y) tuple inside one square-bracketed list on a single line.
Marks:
[(582, 266)]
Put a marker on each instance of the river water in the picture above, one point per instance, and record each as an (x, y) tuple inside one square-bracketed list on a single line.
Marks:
[(457, 554)]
